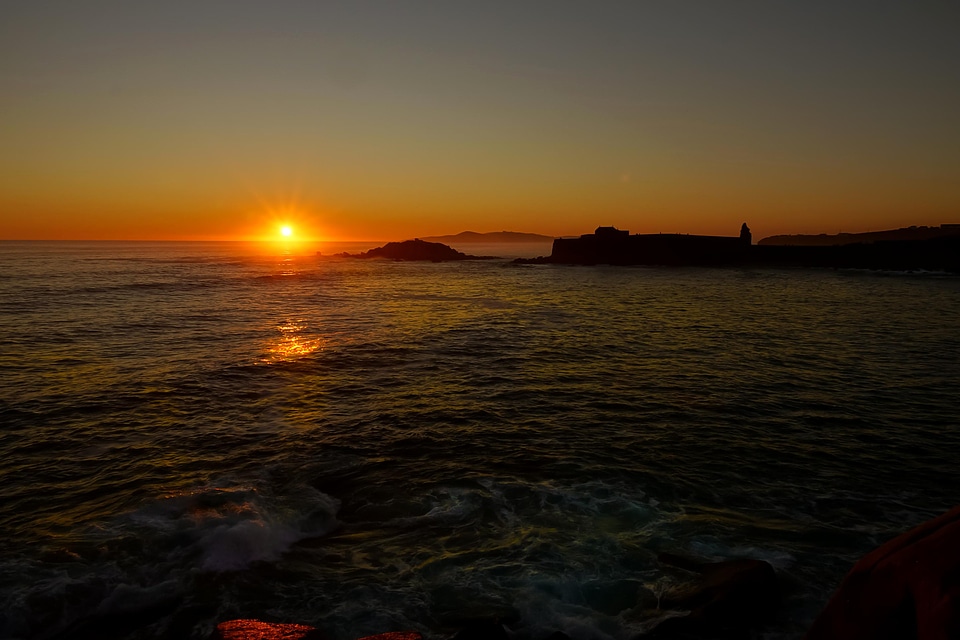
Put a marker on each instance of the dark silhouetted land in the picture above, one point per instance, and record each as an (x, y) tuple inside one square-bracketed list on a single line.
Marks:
[(416, 250), (608, 245)]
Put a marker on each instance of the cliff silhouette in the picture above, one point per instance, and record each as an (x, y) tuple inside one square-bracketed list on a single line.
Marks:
[(609, 245)]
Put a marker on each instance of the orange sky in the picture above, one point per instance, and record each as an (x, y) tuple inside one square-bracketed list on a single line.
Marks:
[(362, 122)]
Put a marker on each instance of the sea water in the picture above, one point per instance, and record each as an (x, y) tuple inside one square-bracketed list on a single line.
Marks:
[(198, 432)]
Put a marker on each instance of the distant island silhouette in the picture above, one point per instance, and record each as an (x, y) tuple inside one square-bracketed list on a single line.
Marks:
[(415, 250), (494, 237), (921, 248)]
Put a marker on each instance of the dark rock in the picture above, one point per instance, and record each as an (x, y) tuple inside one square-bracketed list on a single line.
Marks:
[(126, 610), (259, 630), (906, 588), (728, 600), (417, 250), (611, 598), (184, 622), (558, 635), (482, 630)]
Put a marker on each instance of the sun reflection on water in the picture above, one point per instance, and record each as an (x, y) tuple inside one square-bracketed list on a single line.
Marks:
[(288, 267), (294, 342)]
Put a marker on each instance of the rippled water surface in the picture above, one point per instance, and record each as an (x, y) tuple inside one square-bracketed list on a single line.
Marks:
[(197, 432)]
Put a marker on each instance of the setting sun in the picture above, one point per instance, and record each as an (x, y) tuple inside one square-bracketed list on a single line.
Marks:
[(286, 231)]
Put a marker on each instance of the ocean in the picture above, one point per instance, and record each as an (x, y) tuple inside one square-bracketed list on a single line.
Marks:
[(194, 432)]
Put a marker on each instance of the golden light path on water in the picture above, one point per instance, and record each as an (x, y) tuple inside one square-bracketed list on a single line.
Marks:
[(293, 343)]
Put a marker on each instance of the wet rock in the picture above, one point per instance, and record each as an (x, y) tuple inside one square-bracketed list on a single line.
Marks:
[(611, 598), (259, 630), (906, 588), (727, 600), (125, 610), (482, 630)]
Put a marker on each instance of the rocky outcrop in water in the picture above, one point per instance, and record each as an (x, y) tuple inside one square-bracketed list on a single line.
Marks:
[(726, 600), (416, 250), (907, 588)]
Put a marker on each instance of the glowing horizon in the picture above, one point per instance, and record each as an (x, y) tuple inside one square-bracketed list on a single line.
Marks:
[(225, 121)]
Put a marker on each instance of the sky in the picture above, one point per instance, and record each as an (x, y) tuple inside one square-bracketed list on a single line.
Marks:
[(394, 119)]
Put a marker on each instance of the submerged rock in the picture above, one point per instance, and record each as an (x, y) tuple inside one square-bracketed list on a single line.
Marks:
[(482, 630), (906, 588), (726, 601)]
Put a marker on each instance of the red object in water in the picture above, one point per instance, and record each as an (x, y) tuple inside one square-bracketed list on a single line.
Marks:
[(907, 588), (257, 630)]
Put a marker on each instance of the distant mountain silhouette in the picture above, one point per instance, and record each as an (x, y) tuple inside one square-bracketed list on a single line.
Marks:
[(416, 250), (824, 240), (490, 238)]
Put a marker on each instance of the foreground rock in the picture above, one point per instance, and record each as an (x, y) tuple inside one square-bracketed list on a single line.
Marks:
[(907, 588), (416, 250), (482, 630), (727, 600), (258, 630)]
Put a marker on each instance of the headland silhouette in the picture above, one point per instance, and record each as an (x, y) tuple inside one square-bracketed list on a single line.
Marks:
[(926, 250)]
